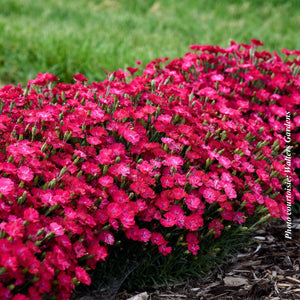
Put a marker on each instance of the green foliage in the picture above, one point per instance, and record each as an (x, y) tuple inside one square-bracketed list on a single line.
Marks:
[(90, 36), (133, 266)]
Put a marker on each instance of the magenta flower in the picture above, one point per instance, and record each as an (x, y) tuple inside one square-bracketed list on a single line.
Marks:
[(169, 219), (82, 276), (193, 248), (211, 195), (145, 235), (173, 161), (165, 250), (15, 228), (31, 214), (239, 218), (56, 229), (217, 227), (6, 186), (79, 78), (225, 162), (131, 136), (192, 202), (157, 238), (25, 174), (193, 222), (107, 237), (114, 210), (106, 181)]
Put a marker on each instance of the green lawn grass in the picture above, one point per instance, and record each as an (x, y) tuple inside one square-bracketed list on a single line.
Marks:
[(65, 37)]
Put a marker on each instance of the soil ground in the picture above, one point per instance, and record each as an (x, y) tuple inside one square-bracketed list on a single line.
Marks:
[(269, 270)]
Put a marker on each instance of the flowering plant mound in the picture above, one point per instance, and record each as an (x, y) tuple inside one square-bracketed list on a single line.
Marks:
[(195, 143)]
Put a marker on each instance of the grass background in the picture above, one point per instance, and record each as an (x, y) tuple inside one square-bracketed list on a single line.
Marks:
[(65, 37)]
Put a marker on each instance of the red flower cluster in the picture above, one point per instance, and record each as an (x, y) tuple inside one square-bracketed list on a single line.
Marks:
[(80, 162)]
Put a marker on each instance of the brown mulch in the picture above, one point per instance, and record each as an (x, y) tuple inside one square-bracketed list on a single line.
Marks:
[(269, 270)]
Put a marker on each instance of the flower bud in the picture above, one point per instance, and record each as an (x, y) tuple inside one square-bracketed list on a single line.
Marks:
[(167, 80), (62, 172), (107, 91), (191, 96), (2, 103), (244, 228), (44, 147), (188, 149), (33, 131), (243, 204), (86, 257), (221, 151), (51, 184), (40, 101), (21, 199), (13, 134), (2, 270), (20, 119), (277, 148), (176, 118), (36, 180), (107, 227), (49, 235), (67, 136), (105, 169), (75, 281), (63, 96), (11, 106), (153, 86), (52, 208), (223, 135), (111, 77), (76, 160), (10, 159), (208, 163)]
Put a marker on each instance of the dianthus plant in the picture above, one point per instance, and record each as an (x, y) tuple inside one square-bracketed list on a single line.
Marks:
[(78, 163)]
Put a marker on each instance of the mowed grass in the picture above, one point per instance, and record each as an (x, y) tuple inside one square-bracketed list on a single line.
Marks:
[(65, 37)]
